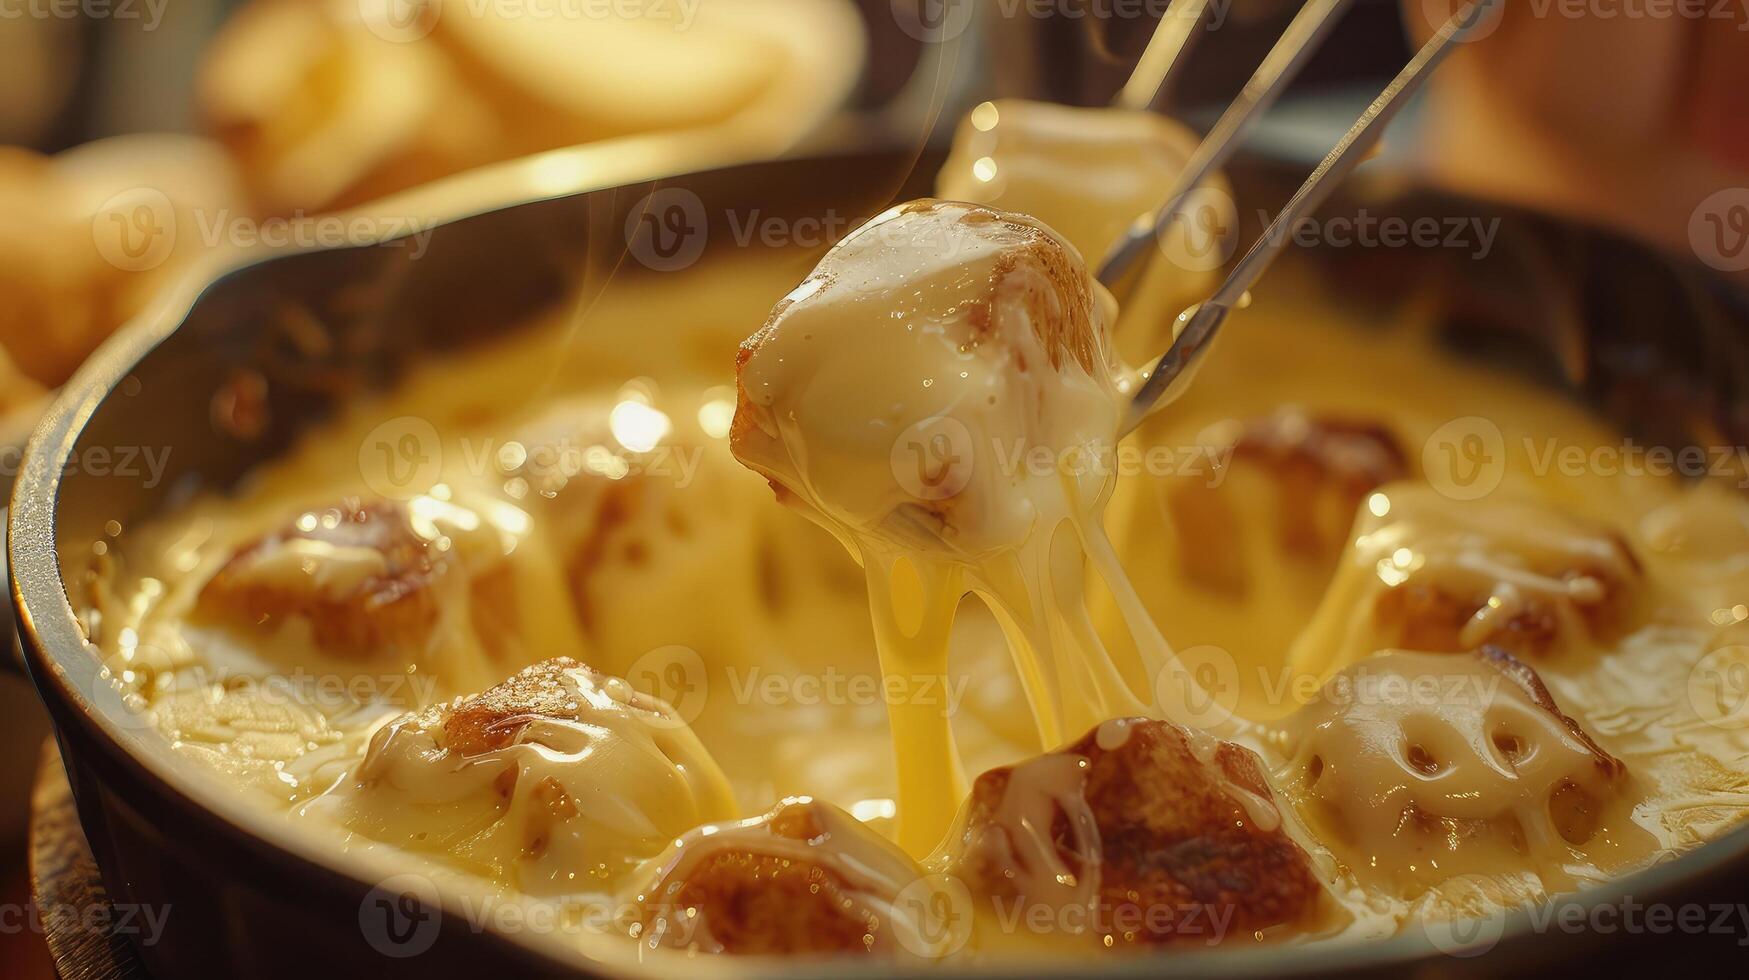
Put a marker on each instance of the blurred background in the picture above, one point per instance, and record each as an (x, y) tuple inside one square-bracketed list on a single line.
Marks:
[(145, 142)]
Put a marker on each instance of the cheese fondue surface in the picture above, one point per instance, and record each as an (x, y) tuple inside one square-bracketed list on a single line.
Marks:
[(877, 637)]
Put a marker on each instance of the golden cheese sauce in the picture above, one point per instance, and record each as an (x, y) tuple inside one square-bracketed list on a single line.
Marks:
[(570, 492)]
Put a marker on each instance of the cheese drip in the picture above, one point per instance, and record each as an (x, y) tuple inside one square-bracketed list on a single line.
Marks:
[(941, 394)]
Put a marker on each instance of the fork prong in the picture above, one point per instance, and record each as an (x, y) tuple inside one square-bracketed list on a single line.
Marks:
[(1292, 50), (1163, 56), (1175, 368)]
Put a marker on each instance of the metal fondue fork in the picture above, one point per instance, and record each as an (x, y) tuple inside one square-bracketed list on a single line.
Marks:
[(1173, 371), (1164, 54), (1291, 52)]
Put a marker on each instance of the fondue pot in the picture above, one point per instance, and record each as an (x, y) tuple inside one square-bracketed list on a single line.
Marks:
[(225, 374)]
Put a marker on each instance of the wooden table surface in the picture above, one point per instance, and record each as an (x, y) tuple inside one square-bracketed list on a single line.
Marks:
[(66, 888)]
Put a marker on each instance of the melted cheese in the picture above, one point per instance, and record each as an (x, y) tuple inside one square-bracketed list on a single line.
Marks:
[(1419, 767), (571, 806), (1025, 838), (941, 394), (318, 565)]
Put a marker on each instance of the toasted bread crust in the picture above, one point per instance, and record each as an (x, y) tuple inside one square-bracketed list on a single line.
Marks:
[(391, 608), (1430, 617), (617, 504), (1529, 681), (743, 900), (1173, 839), (1426, 617), (1319, 468), (1311, 455), (1358, 454), (1453, 775), (1042, 276), (492, 719)]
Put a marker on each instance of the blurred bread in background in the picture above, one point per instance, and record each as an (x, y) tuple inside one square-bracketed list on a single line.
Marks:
[(49, 271), (17, 389), (314, 106), (326, 104), (90, 235)]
